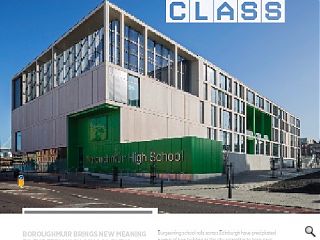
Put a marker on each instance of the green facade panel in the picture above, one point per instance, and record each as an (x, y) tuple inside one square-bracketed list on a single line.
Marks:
[(267, 125), (96, 132), (250, 146), (250, 116), (258, 121)]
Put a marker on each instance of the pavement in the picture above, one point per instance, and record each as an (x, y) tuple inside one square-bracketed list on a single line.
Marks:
[(243, 190), (206, 196), (45, 195)]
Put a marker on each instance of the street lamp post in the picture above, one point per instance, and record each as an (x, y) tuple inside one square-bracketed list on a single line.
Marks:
[(226, 159), (299, 160)]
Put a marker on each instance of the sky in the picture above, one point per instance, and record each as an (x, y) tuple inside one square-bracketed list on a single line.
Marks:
[(280, 61)]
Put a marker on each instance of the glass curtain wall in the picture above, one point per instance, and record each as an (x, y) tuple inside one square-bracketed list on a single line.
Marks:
[(226, 139), (183, 74), (133, 50), (227, 120), (160, 63), (211, 75), (31, 85), (114, 46), (17, 93), (133, 91), (79, 58), (45, 77)]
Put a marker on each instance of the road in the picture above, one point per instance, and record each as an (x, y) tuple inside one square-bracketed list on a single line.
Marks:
[(44, 195)]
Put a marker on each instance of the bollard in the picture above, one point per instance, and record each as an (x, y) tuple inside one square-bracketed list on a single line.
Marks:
[(152, 174), (58, 178), (121, 183), (227, 175), (229, 182), (84, 179), (161, 187)]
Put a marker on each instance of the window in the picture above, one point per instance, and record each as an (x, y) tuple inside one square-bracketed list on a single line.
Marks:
[(236, 123), (241, 125), (182, 74), (275, 148), (268, 148), (261, 146), (292, 153), (114, 46), (282, 137), (45, 77), (133, 50), (241, 92), (151, 58), (236, 144), (18, 146), (222, 81), (270, 108), (214, 95), (257, 146), (235, 89), (205, 91), (257, 101), (275, 135), (275, 121), (79, 58), (224, 100), (133, 91), (242, 144), (225, 83), (250, 97), (261, 102), (201, 112), (213, 116), (236, 105), (242, 107), (229, 85), (229, 102), (267, 107), (211, 133), (31, 85), (292, 120), (226, 139), (275, 110), (221, 100), (227, 120), (211, 75), (161, 64), (17, 93)]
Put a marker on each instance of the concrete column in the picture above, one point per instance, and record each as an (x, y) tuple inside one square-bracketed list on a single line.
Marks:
[(24, 88), (218, 123), (54, 68), (232, 118), (37, 79), (121, 39), (145, 34), (106, 44), (245, 118), (106, 31)]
